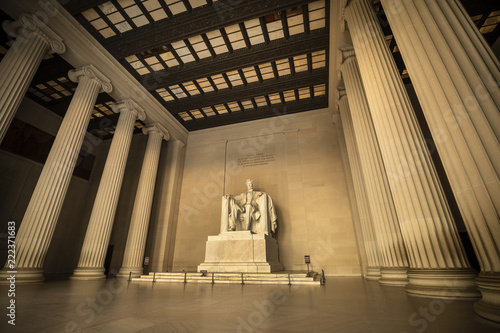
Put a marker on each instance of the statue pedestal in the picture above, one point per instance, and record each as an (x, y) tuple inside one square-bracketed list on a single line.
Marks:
[(241, 252)]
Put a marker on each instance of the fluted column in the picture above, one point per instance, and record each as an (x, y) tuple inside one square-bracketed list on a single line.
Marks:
[(438, 265), (366, 219), (95, 244), (456, 77), (136, 239), (33, 41), (394, 261), (39, 221)]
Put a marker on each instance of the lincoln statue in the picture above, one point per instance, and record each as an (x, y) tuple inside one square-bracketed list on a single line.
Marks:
[(251, 210)]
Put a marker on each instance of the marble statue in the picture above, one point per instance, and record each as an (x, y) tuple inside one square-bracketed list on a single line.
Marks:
[(252, 210)]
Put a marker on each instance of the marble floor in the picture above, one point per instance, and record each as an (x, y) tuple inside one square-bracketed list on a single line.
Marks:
[(342, 305)]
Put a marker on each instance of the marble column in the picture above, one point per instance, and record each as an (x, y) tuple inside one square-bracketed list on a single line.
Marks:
[(390, 240), (366, 219), (33, 42), (438, 264), (456, 75), (139, 223), (169, 188), (39, 221), (95, 244)]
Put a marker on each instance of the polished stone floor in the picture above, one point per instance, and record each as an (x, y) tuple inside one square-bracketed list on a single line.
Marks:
[(342, 305)]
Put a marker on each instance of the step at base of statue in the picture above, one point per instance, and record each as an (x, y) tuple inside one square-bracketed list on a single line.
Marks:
[(283, 278), (241, 252)]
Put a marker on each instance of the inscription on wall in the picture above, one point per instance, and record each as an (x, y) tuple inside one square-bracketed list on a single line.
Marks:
[(255, 159)]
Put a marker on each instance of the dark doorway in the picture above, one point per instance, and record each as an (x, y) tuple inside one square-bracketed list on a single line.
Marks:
[(107, 261)]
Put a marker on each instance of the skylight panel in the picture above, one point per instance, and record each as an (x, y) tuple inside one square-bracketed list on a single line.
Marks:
[(295, 21), (316, 14), (169, 59), (274, 98), (200, 47), (234, 106), (182, 51), (151, 5), (318, 59), (197, 3), (250, 74), (197, 114), (208, 111), (247, 104), (137, 65), (319, 90), (235, 78), (165, 94), (283, 67), (235, 36), (219, 81), (205, 85), (154, 63), (266, 71), (221, 109), (176, 6), (300, 63), (289, 95), (254, 31), (132, 10), (217, 41), (191, 88), (304, 93), (275, 30), (260, 101), (177, 91), (185, 116)]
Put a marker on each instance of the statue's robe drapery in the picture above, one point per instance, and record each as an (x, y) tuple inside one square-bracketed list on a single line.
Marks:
[(260, 209)]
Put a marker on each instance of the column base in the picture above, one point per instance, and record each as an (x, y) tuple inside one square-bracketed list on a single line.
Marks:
[(22, 275), (393, 276), (489, 305), (88, 273), (442, 283), (125, 272), (372, 273)]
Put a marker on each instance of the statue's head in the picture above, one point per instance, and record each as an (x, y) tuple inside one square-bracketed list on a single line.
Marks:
[(249, 184)]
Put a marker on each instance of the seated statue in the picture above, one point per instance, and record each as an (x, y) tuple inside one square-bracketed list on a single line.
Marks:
[(252, 210)]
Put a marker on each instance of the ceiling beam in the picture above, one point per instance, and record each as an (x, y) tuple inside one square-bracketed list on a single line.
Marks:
[(185, 25), (76, 7), (242, 92), (277, 49), (259, 113)]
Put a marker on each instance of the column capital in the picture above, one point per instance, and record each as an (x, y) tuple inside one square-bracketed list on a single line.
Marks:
[(343, 20), (344, 54), (29, 24), (93, 73), (156, 128), (339, 94), (129, 105)]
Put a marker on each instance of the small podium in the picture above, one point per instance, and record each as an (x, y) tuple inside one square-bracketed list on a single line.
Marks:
[(241, 252)]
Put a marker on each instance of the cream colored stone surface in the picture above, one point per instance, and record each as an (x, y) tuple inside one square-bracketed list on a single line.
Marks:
[(305, 179), (241, 251)]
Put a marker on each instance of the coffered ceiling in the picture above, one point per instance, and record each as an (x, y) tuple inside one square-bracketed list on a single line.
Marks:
[(212, 63)]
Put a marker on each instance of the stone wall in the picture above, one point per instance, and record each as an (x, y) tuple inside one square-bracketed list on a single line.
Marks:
[(294, 158)]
